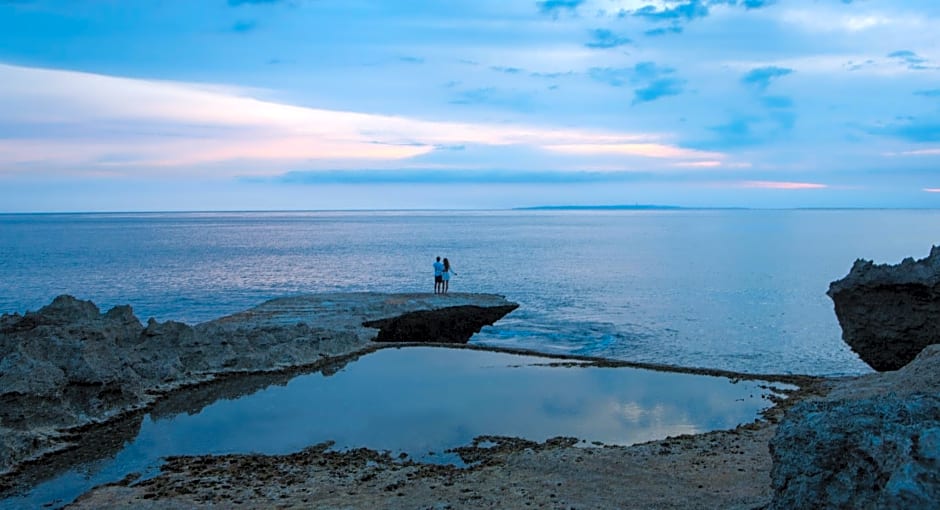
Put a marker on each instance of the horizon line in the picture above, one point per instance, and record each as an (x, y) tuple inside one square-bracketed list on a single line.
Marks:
[(613, 207)]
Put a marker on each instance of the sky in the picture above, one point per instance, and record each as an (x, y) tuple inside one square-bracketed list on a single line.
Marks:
[(165, 105)]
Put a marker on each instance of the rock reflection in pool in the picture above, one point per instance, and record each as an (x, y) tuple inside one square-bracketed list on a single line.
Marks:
[(425, 400), (421, 399)]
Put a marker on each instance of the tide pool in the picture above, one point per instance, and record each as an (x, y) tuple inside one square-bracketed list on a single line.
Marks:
[(418, 401)]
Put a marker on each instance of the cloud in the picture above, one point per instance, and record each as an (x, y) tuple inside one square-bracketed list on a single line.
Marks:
[(683, 11), (236, 3), (64, 120), (603, 38), (912, 60), (928, 93), (932, 190), (911, 129), (507, 69), (658, 88), (411, 60), (855, 66), (554, 6), (762, 76), (777, 102), (512, 99), (782, 185), (648, 150), (918, 152), (759, 4), (243, 27), (651, 81), (552, 76), (738, 131), (444, 176), (907, 56), (671, 29), (752, 129)]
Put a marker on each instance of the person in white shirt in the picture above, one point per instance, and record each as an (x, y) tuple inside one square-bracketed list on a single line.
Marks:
[(445, 275), (438, 276)]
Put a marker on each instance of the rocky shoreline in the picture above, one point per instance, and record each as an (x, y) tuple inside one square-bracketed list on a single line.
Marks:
[(68, 366), (771, 463), (720, 467), (869, 441)]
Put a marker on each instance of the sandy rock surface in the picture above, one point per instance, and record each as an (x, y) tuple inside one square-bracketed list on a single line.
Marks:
[(716, 470)]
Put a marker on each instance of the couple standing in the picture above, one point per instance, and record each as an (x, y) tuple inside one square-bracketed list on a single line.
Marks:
[(442, 272)]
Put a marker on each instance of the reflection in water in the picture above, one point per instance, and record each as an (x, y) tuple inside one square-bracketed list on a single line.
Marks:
[(421, 401)]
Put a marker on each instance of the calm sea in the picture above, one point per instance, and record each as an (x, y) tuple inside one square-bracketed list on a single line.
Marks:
[(741, 290)]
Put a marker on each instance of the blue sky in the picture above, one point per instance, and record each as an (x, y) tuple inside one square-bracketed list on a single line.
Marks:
[(351, 104)]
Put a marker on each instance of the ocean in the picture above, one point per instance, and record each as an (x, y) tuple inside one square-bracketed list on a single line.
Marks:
[(741, 290)]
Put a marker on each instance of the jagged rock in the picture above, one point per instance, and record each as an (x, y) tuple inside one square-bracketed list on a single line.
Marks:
[(889, 313), (873, 442), (455, 324), (68, 364)]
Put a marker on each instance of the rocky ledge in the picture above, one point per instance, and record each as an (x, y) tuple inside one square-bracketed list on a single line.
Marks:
[(69, 365), (889, 313)]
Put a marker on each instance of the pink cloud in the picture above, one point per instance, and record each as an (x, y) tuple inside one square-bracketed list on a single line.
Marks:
[(782, 185), (202, 124), (647, 150)]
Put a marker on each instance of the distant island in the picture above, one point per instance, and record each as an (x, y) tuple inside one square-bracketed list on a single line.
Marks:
[(636, 207)]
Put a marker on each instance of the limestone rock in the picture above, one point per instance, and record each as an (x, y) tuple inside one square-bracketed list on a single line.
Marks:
[(68, 364), (889, 313), (455, 324), (873, 442), (879, 452)]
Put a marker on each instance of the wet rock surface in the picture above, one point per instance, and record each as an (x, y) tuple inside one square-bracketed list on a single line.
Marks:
[(872, 442), (889, 313), (728, 469), (68, 365)]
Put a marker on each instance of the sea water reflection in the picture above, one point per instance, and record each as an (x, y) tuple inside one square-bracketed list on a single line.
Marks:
[(423, 401)]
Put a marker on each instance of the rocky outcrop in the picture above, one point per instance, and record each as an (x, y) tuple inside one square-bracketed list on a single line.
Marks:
[(889, 313), (873, 442), (453, 325), (69, 365)]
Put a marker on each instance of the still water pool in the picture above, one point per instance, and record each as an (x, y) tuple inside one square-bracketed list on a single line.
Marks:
[(421, 401)]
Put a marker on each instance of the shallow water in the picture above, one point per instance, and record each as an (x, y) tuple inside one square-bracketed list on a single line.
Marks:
[(740, 290), (421, 401)]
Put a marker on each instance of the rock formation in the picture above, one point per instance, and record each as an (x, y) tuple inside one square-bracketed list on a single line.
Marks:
[(873, 442), (69, 365), (889, 313), (455, 324)]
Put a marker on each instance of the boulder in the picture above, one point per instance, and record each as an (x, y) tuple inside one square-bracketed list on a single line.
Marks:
[(889, 313), (879, 452), (872, 442)]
